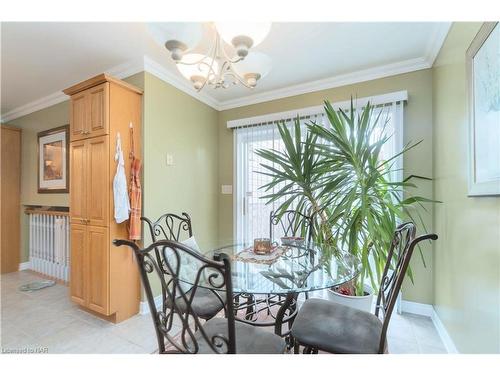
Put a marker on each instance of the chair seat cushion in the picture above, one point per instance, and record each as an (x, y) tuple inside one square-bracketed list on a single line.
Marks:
[(249, 339), (335, 328), (205, 303)]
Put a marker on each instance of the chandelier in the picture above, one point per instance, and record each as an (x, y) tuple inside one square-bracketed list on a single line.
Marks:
[(230, 59)]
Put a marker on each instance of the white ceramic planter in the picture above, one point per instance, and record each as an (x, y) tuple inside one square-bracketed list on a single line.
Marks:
[(358, 302)]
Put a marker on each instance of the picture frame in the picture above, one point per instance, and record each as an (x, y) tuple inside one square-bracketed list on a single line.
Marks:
[(483, 96), (53, 160)]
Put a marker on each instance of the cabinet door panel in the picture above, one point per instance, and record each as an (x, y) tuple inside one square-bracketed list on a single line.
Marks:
[(78, 263), (98, 269), (99, 110), (98, 181), (78, 125), (78, 183)]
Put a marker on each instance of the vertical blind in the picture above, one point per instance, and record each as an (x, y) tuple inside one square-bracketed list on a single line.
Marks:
[(251, 211)]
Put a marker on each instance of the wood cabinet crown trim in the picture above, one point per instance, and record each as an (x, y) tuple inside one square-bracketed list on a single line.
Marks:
[(10, 127), (97, 80)]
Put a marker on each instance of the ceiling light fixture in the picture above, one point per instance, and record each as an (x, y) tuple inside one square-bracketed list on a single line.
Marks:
[(223, 65)]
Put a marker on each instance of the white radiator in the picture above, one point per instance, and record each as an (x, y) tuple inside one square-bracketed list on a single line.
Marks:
[(49, 245)]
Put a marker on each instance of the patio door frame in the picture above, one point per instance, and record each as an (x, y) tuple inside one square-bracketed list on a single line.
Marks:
[(393, 97)]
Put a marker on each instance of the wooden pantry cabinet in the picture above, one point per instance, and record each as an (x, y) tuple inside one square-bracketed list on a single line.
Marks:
[(90, 112), (104, 279)]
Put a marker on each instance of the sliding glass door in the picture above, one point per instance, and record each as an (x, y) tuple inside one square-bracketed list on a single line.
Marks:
[(251, 212)]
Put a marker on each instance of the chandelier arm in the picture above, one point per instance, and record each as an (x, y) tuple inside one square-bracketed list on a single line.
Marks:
[(212, 51), (226, 56), (239, 79), (226, 71), (212, 54), (207, 79)]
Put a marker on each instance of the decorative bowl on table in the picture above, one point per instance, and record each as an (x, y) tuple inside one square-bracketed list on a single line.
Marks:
[(289, 241)]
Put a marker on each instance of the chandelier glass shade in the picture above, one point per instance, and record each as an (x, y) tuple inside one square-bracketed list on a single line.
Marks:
[(223, 65), (243, 35), (197, 68)]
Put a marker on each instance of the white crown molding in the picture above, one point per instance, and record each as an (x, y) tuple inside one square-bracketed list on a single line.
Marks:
[(328, 83), (34, 106), (126, 69), (178, 82), (120, 71), (149, 65), (436, 41)]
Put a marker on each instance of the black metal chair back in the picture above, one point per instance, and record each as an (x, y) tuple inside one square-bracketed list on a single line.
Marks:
[(398, 260), (192, 334), (292, 223), (169, 227)]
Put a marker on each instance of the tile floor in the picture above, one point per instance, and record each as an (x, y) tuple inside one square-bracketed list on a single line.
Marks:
[(48, 319)]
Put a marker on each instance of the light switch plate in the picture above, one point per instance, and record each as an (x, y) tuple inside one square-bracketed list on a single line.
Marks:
[(227, 189), (170, 159)]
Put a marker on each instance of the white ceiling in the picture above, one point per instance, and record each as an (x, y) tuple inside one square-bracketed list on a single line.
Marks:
[(40, 59)]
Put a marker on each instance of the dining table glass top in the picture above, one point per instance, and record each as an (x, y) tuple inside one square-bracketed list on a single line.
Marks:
[(294, 267)]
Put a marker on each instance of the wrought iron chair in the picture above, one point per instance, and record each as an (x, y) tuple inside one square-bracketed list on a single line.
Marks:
[(291, 223), (334, 328), (218, 335), (172, 227)]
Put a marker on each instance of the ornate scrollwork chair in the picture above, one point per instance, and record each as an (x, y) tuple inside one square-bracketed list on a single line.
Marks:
[(177, 228), (327, 326), (218, 335), (291, 223)]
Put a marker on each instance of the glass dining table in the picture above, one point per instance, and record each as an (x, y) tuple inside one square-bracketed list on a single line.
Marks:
[(266, 287)]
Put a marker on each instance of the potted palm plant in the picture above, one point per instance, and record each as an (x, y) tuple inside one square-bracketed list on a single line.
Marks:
[(337, 175)]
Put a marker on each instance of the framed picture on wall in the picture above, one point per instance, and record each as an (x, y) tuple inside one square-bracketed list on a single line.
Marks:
[(53, 160), (483, 76)]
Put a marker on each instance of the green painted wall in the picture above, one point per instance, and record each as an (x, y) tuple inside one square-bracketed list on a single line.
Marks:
[(33, 123), (467, 254), (174, 123), (177, 124), (417, 126)]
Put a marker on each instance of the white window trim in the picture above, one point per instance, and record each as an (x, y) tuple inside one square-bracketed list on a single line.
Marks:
[(398, 96)]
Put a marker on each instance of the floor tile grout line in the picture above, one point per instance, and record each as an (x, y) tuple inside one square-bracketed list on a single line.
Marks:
[(414, 328), (409, 324)]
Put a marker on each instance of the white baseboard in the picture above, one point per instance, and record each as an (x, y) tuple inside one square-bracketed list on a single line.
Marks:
[(443, 333), (428, 310), (144, 305), (417, 308), (24, 266)]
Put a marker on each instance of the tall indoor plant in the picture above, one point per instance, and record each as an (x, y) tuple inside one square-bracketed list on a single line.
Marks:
[(336, 174)]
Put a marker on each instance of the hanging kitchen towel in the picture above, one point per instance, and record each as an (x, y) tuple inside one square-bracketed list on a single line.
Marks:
[(135, 193), (120, 193)]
